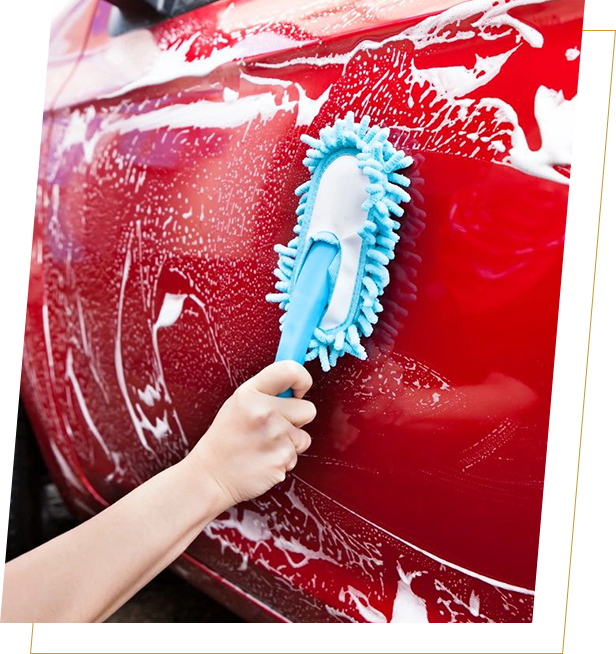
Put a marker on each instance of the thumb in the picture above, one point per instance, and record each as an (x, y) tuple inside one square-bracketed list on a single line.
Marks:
[(279, 377)]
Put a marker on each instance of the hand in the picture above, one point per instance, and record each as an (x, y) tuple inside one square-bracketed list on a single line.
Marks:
[(256, 437)]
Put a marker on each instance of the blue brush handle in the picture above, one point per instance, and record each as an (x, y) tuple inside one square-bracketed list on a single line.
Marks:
[(307, 304)]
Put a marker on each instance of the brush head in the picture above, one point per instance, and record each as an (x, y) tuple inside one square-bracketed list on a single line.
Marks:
[(353, 199)]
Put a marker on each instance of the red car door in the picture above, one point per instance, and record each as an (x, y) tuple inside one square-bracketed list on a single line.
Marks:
[(171, 157)]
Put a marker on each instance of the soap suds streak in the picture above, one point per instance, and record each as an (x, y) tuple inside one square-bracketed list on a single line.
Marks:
[(254, 535), (88, 352), (493, 582), (554, 116), (489, 444), (554, 113), (149, 395), (34, 370), (229, 113), (205, 114), (118, 358), (458, 81), (67, 471), (169, 313), (70, 375), (215, 341), (361, 603), (491, 21)]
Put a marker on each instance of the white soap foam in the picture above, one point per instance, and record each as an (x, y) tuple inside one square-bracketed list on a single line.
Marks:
[(436, 29), (170, 310), (149, 395), (251, 526), (408, 607), (233, 111), (474, 603), (362, 604), (450, 82), (456, 605), (76, 133), (458, 81), (206, 114), (572, 54), (307, 108), (553, 112), (554, 115), (168, 315)]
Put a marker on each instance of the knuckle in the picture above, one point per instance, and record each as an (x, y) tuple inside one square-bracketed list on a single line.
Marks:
[(277, 433), (311, 410), (290, 367), (307, 377), (295, 369), (262, 414), (242, 390), (241, 397)]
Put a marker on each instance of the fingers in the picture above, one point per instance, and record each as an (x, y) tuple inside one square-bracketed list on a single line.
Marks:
[(292, 462), (280, 376), (297, 412), (301, 440)]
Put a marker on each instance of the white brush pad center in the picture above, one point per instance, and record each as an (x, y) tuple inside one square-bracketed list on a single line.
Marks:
[(337, 209)]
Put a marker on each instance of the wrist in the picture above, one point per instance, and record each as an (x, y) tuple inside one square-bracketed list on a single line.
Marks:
[(203, 488)]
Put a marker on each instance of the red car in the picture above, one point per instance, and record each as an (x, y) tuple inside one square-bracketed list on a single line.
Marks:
[(169, 157)]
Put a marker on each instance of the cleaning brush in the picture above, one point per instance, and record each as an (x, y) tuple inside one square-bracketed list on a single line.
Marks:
[(332, 273)]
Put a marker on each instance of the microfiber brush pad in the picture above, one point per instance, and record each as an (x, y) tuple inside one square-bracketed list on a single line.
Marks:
[(352, 201)]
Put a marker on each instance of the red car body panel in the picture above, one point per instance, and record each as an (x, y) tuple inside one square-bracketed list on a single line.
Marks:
[(169, 161)]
